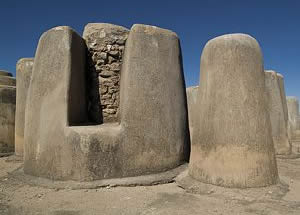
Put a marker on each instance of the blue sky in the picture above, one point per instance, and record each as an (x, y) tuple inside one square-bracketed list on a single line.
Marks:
[(275, 24)]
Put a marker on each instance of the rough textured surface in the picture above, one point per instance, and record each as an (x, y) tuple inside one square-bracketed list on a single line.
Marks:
[(232, 143), (156, 133), (7, 112), (293, 113), (277, 115), (143, 180), (191, 95), (283, 98), (153, 138), (55, 100), (19, 198), (23, 73), (106, 43)]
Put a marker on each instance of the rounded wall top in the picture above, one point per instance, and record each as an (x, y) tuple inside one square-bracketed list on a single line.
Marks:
[(279, 75), (25, 60), (149, 29), (270, 71), (5, 73), (237, 39), (107, 27), (55, 29)]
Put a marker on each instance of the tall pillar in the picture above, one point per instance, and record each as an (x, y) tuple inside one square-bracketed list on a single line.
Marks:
[(23, 74), (232, 144), (293, 112), (191, 95), (277, 115)]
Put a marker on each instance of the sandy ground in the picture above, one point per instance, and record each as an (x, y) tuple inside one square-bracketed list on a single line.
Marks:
[(17, 197)]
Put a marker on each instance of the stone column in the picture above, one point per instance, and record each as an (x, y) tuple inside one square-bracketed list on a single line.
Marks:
[(23, 74), (191, 95), (56, 99), (153, 101), (283, 97), (232, 143), (293, 112), (277, 115), (7, 111)]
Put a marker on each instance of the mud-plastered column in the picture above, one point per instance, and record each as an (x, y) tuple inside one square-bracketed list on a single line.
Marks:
[(277, 115), (153, 101), (7, 111), (232, 143), (293, 113), (191, 95), (23, 74)]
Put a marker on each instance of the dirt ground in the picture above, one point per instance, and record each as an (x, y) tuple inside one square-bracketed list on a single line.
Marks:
[(17, 197)]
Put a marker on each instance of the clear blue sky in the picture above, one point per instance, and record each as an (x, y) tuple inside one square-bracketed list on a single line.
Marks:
[(275, 24)]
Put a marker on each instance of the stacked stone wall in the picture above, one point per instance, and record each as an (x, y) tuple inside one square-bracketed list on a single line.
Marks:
[(106, 45)]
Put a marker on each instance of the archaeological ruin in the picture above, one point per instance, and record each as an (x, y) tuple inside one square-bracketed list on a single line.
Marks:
[(100, 108), (106, 44), (293, 114), (23, 75), (191, 95), (232, 142), (277, 114), (7, 112)]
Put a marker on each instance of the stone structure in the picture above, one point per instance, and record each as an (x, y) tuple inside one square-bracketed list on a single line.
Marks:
[(7, 111), (152, 134), (23, 74), (277, 115), (106, 43), (232, 143), (7, 79), (293, 113), (283, 98), (191, 95)]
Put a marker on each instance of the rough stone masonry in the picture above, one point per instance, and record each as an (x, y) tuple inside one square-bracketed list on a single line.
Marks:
[(106, 44)]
